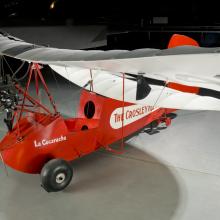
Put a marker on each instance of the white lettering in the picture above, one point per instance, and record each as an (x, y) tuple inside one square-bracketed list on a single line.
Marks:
[(46, 142), (37, 144)]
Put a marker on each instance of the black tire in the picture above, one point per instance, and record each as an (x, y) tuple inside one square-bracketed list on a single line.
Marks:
[(56, 175)]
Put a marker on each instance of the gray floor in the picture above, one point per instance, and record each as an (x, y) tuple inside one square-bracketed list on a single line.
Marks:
[(174, 174)]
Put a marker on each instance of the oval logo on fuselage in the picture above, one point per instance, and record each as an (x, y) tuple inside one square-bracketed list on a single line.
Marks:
[(131, 114)]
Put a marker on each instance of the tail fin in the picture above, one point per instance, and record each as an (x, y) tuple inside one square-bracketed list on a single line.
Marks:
[(181, 40)]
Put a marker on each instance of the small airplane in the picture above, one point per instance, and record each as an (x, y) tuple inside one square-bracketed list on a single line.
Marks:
[(123, 91)]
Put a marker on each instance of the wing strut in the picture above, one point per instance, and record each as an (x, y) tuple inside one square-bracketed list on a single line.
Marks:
[(121, 148)]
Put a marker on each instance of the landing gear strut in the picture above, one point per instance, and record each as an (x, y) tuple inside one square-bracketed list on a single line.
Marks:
[(155, 127)]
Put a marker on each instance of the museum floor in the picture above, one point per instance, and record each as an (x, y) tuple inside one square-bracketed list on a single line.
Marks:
[(174, 174)]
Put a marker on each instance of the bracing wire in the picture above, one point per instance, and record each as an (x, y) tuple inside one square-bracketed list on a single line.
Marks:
[(162, 90), (55, 78), (14, 73), (25, 75), (8, 65), (70, 87), (1, 68), (2, 159), (18, 69), (0, 64), (56, 81)]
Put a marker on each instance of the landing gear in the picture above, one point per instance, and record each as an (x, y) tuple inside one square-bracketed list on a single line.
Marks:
[(56, 175), (160, 124), (153, 128)]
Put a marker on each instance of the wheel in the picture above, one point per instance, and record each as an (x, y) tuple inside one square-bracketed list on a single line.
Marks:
[(56, 175)]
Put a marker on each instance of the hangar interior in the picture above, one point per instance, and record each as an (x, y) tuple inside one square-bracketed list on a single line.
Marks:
[(171, 175)]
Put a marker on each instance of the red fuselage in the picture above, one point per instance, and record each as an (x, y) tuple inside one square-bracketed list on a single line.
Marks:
[(99, 122)]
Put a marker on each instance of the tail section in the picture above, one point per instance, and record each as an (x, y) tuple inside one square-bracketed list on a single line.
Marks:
[(181, 40)]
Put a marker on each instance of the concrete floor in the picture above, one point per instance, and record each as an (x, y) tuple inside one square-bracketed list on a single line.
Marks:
[(174, 174)]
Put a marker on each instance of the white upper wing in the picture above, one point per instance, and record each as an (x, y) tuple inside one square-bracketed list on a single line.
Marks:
[(189, 66)]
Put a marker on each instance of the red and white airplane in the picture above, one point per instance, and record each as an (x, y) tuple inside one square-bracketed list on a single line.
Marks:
[(123, 91)]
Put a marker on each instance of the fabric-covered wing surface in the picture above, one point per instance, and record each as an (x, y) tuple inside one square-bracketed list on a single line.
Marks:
[(196, 68), (110, 84)]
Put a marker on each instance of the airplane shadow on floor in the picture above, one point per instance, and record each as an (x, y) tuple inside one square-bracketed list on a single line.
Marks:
[(142, 182), (134, 184)]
